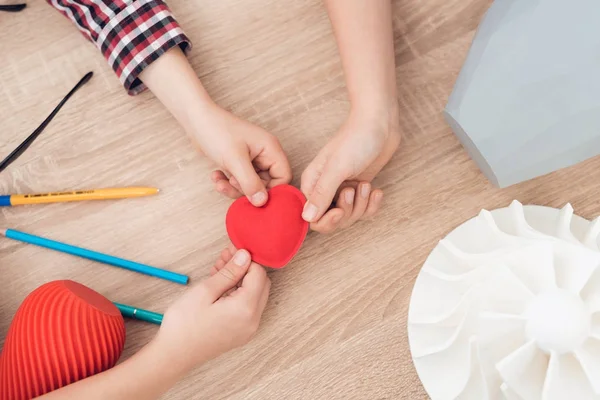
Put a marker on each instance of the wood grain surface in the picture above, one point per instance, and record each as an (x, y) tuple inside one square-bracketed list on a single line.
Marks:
[(335, 326)]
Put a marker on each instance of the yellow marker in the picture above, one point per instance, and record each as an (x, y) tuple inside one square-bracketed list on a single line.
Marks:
[(79, 195)]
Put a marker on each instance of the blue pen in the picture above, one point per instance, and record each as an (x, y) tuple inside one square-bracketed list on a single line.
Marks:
[(95, 256), (138, 313)]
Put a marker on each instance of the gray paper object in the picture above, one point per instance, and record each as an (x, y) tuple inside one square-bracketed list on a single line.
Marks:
[(527, 100)]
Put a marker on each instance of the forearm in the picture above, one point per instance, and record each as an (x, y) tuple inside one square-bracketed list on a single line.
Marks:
[(363, 30), (146, 375), (174, 82)]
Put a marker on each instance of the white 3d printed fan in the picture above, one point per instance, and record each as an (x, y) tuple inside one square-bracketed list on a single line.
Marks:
[(507, 306)]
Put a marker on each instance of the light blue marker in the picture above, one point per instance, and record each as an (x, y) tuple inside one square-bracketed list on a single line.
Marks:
[(95, 256)]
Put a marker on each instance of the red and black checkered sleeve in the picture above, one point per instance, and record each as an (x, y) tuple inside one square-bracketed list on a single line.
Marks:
[(131, 34)]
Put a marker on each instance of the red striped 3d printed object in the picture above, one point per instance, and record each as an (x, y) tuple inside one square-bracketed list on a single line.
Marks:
[(63, 332)]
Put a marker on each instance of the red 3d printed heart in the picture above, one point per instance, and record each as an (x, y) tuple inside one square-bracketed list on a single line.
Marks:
[(272, 234), (61, 333)]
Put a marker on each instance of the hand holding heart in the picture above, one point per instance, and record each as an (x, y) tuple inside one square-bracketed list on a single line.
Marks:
[(344, 168), (250, 159), (340, 174), (218, 314)]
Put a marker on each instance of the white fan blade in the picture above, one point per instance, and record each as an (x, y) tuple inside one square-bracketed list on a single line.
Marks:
[(595, 326), (489, 227), (524, 370), (459, 260), (520, 226), (591, 235), (498, 335), (566, 380), (589, 358), (449, 370), (494, 327), (430, 338), (504, 292), (532, 262), (495, 237), (437, 295), (591, 292), (574, 265), (476, 387), (508, 393), (563, 225)]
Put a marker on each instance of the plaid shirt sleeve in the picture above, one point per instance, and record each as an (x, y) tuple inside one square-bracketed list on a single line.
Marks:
[(131, 34)]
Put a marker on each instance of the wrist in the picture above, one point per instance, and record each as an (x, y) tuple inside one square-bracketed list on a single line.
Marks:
[(177, 354), (193, 106), (159, 364), (196, 113), (384, 109)]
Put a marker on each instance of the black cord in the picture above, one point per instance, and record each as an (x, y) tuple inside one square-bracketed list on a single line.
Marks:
[(12, 7), (23, 146)]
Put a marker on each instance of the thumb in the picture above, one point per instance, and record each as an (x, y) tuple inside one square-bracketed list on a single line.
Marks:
[(229, 276), (250, 183), (320, 189)]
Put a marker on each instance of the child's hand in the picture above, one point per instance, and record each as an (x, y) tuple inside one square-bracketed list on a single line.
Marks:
[(205, 322), (343, 169), (250, 159), (353, 202)]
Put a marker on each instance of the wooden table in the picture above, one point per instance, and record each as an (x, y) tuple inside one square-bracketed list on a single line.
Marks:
[(335, 327)]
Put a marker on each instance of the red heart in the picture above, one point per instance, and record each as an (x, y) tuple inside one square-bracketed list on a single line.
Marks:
[(273, 233)]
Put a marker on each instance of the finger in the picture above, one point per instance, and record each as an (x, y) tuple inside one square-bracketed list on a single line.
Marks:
[(361, 201), (254, 283), (218, 265), (345, 201), (264, 298), (264, 176), (234, 182), (311, 175), (217, 176), (274, 160), (225, 188), (323, 192), (374, 203), (329, 222), (228, 277), (226, 255), (243, 171), (279, 181), (221, 180), (269, 181)]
